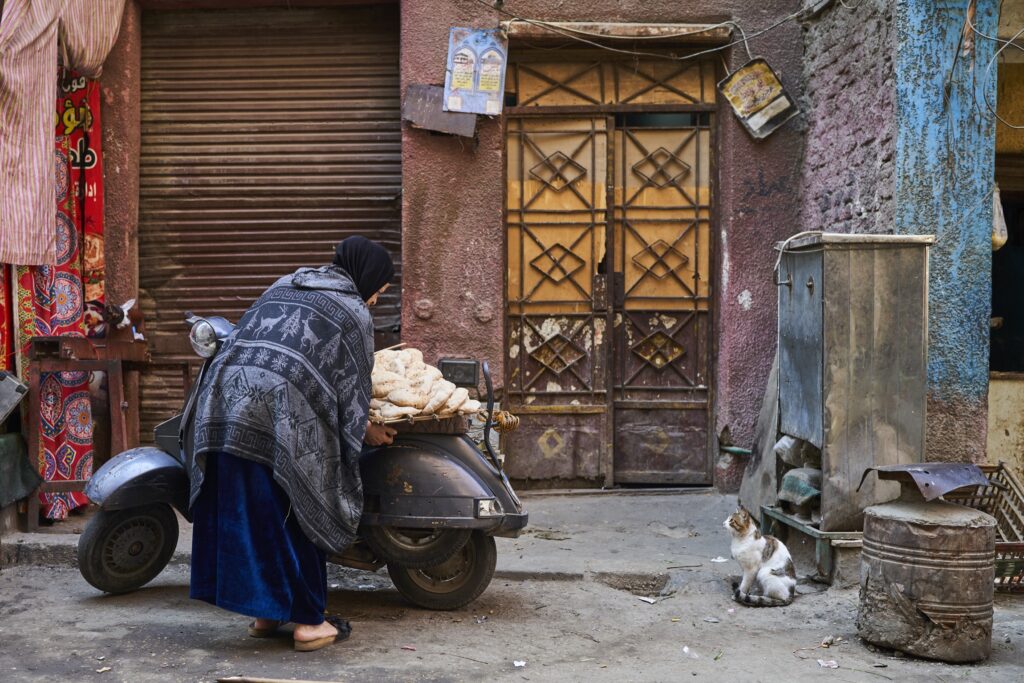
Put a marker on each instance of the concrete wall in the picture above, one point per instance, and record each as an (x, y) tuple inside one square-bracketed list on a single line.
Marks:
[(945, 155), (889, 152), (1006, 422), (849, 88), (453, 250)]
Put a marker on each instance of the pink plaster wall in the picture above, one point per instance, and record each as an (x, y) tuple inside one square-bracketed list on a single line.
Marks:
[(453, 248)]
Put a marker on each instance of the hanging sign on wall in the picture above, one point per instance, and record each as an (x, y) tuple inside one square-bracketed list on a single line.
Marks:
[(758, 98), (474, 82)]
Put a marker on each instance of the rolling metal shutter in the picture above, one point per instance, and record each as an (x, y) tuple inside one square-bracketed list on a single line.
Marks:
[(267, 136)]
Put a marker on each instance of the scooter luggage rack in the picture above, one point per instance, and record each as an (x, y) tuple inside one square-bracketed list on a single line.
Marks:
[(413, 419), (502, 421)]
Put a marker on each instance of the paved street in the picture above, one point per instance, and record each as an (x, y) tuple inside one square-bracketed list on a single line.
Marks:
[(567, 616)]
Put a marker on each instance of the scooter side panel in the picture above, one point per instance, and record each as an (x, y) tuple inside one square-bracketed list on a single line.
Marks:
[(140, 476), (410, 485), (470, 457)]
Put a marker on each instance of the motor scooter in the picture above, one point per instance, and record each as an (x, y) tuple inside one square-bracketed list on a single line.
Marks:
[(432, 503)]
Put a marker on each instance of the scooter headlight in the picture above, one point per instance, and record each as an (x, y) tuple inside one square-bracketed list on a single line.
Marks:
[(488, 507), (203, 338)]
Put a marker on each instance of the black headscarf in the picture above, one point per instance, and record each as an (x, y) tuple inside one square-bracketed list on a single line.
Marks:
[(366, 262)]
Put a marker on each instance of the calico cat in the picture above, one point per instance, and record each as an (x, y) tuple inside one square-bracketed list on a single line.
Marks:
[(769, 579)]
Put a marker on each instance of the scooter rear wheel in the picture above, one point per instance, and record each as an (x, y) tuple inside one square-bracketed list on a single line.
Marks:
[(454, 583), (123, 550), (415, 548)]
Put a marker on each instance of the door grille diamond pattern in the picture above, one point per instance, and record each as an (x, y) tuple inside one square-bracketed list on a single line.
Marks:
[(658, 350), (558, 353), (558, 171), (660, 259), (557, 263), (661, 168)]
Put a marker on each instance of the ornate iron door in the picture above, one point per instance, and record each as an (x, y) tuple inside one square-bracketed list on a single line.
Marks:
[(662, 299), (609, 214)]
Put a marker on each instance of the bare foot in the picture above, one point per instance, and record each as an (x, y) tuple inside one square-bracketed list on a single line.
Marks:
[(307, 632)]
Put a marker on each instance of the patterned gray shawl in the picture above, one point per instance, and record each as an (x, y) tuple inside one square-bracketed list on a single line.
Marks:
[(291, 390)]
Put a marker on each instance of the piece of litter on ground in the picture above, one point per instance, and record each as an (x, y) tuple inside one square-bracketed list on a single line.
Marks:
[(828, 664), (410, 648), (519, 664), (101, 658), (690, 653), (880, 666), (719, 656), (482, 619), (731, 610), (103, 670), (649, 601), (828, 642), (676, 620), (711, 620), (719, 559)]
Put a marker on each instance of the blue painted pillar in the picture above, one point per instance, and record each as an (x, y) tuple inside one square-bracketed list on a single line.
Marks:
[(944, 168)]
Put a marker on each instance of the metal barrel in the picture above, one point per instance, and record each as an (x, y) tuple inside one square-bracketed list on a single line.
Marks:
[(927, 573)]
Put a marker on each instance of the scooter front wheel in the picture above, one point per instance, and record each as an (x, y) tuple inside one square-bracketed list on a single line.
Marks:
[(455, 582), (123, 550)]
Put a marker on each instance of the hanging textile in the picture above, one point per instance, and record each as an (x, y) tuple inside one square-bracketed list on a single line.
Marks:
[(7, 317), (67, 298), (30, 34), (78, 119)]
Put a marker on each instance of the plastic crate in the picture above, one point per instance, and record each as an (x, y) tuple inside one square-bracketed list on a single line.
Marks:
[(1004, 500)]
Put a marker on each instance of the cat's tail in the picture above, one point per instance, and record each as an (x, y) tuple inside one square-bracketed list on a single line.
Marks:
[(760, 600)]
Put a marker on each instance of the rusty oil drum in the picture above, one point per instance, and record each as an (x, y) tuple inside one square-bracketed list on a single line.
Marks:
[(927, 573)]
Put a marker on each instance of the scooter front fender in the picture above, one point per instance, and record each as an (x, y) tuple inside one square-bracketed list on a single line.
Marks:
[(140, 476), (411, 486)]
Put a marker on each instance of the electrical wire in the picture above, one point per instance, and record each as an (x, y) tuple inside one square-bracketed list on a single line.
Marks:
[(988, 71), (575, 34)]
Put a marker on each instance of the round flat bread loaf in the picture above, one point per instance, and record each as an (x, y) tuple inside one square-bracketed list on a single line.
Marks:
[(458, 397), (392, 412), (411, 357), (470, 407), (383, 389), (442, 391), (408, 398)]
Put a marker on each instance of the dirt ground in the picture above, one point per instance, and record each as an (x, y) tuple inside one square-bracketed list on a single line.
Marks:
[(53, 626)]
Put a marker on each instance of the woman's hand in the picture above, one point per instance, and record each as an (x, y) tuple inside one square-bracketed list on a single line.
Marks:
[(379, 435)]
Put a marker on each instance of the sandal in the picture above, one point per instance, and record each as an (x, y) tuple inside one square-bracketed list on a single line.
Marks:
[(344, 631), (266, 632)]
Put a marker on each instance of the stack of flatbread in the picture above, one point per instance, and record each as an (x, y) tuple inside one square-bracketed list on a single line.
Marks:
[(405, 387)]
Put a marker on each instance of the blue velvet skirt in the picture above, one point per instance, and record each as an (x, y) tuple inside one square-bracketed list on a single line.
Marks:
[(248, 553)]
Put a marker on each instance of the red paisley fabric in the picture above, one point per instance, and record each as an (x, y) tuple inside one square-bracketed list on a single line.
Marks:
[(67, 299)]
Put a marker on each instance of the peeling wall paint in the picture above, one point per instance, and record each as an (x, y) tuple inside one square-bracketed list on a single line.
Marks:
[(945, 156)]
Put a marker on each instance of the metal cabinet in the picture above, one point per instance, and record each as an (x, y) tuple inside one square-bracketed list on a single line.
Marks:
[(853, 344)]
